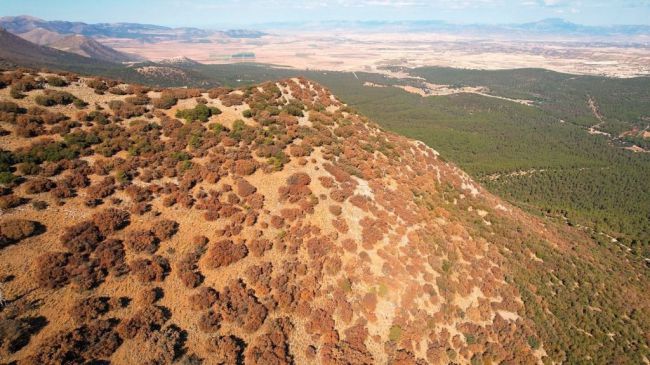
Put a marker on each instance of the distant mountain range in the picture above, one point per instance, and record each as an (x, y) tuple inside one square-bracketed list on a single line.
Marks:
[(553, 26), (146, 32)]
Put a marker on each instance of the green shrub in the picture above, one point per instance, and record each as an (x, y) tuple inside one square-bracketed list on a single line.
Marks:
[(295, 108), (395, 333), (56, 81), (7, 178), (55, 97), (248, 113), (201, 113), (48, 151)]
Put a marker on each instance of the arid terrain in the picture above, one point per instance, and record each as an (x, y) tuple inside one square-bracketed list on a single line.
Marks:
[(340, 50), (273, 224)]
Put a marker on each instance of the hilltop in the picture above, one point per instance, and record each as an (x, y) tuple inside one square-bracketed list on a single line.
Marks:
[(274, 224)]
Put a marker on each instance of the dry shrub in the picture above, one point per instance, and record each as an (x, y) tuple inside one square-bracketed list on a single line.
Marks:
[(164, 229), (89, 309), (204, 298), (227, 349), (52, 270), (111, 220), (239, 305), (15, 230), (210, 321), (144, 322), (10, 201), (271, 348), (224, 253), (142, 241), (90, 343), (39, 185), (146, 270), (82, 238)]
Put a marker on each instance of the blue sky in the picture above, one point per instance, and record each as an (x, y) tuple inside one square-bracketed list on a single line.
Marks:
[(222, 13)]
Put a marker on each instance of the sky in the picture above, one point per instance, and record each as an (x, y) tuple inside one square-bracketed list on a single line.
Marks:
[(223, 13)]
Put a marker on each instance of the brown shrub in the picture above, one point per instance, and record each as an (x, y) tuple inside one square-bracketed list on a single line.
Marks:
[(111, 220), (51, 270), (149, 296), (146, 270), (164, 229), (88, 309), (244, 188), (111, 257), (271, 348), (224, 253), (15, 230), (204, 298), (227, 349), (39, 185), (143, 323), (245, 167), (82, 238), (87, 344), (210, 321), (15, 333), (239, 305), (142, 241)]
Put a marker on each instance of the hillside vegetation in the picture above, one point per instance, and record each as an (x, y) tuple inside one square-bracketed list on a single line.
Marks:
[(273, 224)]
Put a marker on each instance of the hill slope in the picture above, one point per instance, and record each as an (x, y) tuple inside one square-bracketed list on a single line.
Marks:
[(276, 225), (88, 47), (22, 52)]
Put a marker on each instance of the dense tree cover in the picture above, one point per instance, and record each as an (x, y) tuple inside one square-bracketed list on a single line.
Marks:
[(585, 178)]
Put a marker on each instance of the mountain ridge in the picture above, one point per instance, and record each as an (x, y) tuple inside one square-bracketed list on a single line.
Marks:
[(276, 224)]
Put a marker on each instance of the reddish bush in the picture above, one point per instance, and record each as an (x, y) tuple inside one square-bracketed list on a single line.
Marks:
[(15, 230), (89, 343), (146, 270), (224, 253), (260, 245), (271, 348), (111, 220), (204, 298), (141, 241), (239, 305), (82, 238), (149, 296), (39, 185), (227, 349), (245, 167), (244, 188), (210, 321), (143, 323), (164, 229), (51, 270), (88, 309), (111, 257)]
